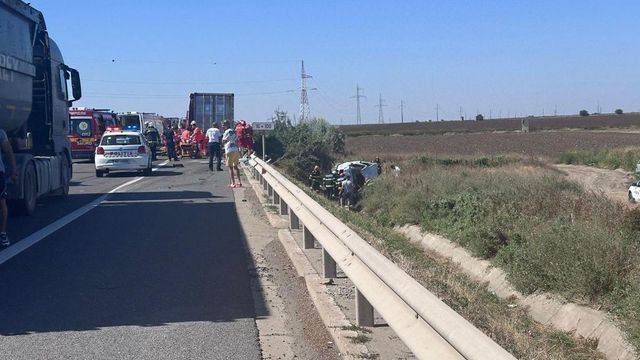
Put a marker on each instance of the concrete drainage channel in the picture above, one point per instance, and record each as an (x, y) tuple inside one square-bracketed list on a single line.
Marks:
[(428, 327)]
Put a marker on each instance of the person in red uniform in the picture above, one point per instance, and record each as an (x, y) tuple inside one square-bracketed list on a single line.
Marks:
[(199, 137), (177, 137)]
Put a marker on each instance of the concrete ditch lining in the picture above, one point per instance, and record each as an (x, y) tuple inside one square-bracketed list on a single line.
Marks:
[(579, 320)]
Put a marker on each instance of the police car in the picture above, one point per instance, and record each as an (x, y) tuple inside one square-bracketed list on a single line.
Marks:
[(123, 150)]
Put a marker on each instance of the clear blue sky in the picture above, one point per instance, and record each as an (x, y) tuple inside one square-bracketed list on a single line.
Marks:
[(503, 57)]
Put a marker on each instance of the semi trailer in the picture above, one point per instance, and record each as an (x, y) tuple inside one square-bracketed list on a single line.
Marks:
[(34, 105)]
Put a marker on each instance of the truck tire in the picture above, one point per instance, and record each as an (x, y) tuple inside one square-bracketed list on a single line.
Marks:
[(66, 173), (27, 205)]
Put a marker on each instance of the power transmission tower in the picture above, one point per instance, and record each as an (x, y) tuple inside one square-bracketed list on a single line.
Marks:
[(402, 111), (358, 96), (380, 106), (304, 98)]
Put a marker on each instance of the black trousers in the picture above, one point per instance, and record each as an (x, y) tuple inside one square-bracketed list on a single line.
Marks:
[(214, 149)]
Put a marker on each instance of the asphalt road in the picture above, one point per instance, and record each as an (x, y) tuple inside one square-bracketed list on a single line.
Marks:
[(156, 271)]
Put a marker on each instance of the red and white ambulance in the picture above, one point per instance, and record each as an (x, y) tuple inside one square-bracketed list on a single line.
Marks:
[(86, 127)]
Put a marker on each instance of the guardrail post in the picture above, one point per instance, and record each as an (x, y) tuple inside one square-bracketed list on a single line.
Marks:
[(261, 179), (294, 222), (276, 198), (265, 185), (284, 208), (269, 190), (364, 310), (307, 238), (328, 265)]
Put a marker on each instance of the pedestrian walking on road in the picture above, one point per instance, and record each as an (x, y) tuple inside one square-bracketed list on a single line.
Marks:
[(5, 147), (232, 153), (213, 146)]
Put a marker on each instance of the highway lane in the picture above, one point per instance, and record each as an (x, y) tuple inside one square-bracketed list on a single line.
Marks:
[(158, 271)]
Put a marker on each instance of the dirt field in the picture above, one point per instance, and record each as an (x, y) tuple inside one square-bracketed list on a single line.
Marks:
[(545, 144), (604, 121), (612, 183)]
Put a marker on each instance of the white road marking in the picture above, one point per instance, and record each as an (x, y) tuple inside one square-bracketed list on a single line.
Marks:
[(37, 236)]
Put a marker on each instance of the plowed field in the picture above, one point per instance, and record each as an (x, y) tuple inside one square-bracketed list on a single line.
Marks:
[(547, 144)]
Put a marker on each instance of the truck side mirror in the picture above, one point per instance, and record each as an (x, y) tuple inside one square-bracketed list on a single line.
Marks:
[(75, 84)]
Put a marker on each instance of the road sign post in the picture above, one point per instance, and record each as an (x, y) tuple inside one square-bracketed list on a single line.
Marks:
[(263, 127)]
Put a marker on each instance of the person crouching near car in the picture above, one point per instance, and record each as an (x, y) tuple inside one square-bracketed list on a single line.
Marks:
[(232, 153), (347, 192)]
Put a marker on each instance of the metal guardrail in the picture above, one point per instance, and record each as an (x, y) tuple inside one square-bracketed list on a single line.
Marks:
[(422, 321)]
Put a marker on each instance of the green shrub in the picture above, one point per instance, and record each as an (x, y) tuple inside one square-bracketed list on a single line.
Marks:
[(549, 234), (298, 148), (626, 158)]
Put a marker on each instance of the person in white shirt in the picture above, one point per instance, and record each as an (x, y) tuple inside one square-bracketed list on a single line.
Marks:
[(214, 136), (232, 153), (348, 192)]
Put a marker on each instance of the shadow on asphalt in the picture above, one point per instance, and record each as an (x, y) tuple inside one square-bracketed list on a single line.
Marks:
[(144, 264)]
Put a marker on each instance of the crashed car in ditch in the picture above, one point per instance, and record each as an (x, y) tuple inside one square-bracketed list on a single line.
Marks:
[(368, 169)]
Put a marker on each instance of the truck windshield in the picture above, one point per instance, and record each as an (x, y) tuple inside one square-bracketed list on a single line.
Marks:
[(130, 122), (120, 140), (80, 127)]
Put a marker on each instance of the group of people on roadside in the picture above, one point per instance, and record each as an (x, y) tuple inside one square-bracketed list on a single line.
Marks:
[(337, 184), (212, 143)]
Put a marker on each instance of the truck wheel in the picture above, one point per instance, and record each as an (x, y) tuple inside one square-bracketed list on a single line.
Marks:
[(99, 173), (27, 204), (66, 173)]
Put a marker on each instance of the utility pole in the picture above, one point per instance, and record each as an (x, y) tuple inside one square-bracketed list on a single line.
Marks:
[(437, 112), (304, 99), (402, 111), (358, 96), (461, 118), (380, 106), (555, 110)]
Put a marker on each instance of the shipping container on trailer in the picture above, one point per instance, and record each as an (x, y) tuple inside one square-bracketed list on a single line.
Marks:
[(209, 108)]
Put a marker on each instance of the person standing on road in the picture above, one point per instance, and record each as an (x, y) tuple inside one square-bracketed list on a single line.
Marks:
[(213, 146), (232, 152), (5, 147), (170, 143)]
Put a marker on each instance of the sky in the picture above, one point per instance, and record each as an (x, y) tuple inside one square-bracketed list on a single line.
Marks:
[(442, 59)]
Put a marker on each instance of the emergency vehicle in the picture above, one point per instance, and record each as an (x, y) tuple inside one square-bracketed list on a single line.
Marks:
[(125, 150), (135, 121), (86, 127)]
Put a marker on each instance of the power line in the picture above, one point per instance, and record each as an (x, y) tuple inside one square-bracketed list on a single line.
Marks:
[(185, 82), (162, 96), (358, 96), (380, 106)]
